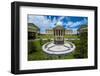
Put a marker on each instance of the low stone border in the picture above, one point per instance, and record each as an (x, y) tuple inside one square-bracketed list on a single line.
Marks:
[(48, 51)]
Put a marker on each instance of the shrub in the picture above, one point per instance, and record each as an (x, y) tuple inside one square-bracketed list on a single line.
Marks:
[(33, 46)]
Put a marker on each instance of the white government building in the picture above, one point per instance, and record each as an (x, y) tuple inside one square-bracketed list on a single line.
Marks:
[(58, 46), (59, 32), (67, 31)]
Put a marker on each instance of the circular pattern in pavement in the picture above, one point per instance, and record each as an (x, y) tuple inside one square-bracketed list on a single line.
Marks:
[(58, 49)]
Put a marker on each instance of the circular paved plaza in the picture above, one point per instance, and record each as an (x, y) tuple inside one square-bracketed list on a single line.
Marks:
[(57, 49)]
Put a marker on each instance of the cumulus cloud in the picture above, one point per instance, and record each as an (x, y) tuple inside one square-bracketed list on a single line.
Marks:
[(41, 21), (60, 18), (48, 23), (76, 24), (53, 22)]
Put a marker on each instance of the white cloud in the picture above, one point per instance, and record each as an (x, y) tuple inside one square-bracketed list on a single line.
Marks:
[(77, 23), (60, 18), (69, 23), (41, 21), (44, 23), (53, 22)]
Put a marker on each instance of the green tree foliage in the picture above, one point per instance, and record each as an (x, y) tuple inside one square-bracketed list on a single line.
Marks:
[(33, 46), (82, 44), (84, 50)]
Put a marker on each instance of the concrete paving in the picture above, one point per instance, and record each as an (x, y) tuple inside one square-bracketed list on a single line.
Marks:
[(51, 48)]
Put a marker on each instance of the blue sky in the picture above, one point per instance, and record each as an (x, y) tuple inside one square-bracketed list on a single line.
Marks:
[(49, 22)]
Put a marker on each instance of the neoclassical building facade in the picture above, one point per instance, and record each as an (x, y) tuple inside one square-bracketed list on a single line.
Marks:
[(58, 33), (33, 31), (67, 31)]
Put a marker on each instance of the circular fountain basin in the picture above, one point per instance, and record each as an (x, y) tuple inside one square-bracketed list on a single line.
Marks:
[(58, 49)]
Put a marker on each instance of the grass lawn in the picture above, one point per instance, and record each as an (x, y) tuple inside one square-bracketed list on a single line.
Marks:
[(71, 36), (35, 51), (66, 36)]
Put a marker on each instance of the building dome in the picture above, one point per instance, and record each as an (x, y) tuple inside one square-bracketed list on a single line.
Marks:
[(59, 23)]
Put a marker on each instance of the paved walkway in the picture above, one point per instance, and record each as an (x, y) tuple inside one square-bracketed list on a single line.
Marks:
[(53, 39), (51, 48)]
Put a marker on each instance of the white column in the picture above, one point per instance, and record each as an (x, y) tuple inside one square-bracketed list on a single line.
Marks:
[(60, 32), (56, 34)]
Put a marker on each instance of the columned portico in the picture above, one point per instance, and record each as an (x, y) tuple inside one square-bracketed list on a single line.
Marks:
[(59, 35), (58, 47)]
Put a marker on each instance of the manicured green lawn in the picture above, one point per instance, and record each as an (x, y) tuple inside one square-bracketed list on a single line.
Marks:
[(46, 36), (35, 51), (71, 36), (66, 36)]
